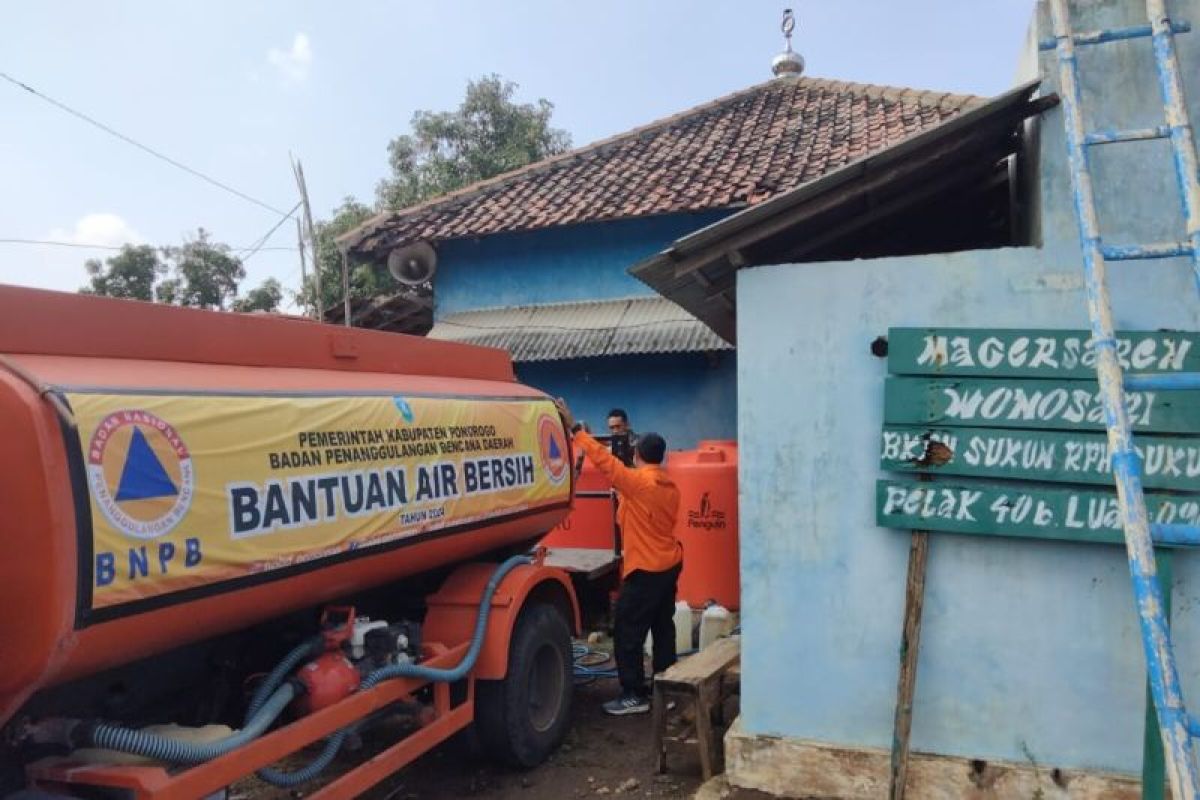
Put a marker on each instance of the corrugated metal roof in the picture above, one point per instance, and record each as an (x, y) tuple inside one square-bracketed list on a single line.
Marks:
[(582, 330)]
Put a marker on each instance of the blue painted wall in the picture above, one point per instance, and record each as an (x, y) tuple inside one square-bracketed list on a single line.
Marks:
[(685, 397), (578, 262), (1029, 650)]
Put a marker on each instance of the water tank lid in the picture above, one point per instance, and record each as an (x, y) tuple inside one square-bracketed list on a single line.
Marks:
[(710, 456)]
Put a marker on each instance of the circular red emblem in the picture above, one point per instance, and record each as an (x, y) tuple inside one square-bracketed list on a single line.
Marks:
[(553, 444), (140, 473)]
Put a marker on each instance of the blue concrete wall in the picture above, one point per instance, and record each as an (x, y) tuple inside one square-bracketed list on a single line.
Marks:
[(579, 262), (682, 396), (685, 397), (1029, 649)]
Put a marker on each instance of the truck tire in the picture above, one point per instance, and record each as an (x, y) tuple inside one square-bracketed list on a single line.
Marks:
[(523, 718)]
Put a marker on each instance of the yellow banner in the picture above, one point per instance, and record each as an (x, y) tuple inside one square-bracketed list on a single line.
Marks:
[(189, 491)]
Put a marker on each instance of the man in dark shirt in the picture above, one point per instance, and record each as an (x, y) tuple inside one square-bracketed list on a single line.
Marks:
[(624, 439)]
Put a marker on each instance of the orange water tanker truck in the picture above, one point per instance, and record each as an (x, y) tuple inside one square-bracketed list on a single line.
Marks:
[(229, 538)]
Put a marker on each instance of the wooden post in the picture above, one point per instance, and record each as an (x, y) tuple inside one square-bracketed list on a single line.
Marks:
[(346, 286), (1154, 768), (910, 641)]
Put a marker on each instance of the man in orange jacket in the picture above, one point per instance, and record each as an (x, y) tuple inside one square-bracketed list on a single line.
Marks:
[(652, 560)]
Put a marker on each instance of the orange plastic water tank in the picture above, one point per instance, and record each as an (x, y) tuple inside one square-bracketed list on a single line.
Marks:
[(592, 522), (708, 522)]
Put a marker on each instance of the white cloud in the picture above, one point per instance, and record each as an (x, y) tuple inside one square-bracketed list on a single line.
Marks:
[(292, 64), (55, 267), (102, 228)]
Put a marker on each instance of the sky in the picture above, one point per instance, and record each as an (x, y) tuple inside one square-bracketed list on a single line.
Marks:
[(231, 88)]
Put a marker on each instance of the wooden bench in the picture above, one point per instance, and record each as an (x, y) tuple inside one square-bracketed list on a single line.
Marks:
[(698, 683)]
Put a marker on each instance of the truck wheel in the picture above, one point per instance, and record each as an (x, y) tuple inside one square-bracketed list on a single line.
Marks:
[(524, 717)]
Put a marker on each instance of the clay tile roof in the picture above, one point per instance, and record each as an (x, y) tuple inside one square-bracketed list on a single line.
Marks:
[(731, 152)]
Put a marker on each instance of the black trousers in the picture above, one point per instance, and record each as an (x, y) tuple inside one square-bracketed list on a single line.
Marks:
[(646, 604)]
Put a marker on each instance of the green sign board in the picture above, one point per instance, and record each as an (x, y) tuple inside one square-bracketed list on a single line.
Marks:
[(1036, 353), (1026, 403), (1018, 510), (1168, 462), (1022, 408)]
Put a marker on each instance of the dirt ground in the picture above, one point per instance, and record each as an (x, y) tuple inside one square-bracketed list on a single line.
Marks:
[(602, 756)]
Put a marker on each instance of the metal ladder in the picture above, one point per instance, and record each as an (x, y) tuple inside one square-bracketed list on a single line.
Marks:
[(1175, 725)]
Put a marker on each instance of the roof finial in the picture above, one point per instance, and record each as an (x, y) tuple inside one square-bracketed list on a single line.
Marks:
[(788, 62)]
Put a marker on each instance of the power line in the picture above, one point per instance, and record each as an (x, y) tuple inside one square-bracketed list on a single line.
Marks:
[(88, 246), (177, 164), (258, 245)]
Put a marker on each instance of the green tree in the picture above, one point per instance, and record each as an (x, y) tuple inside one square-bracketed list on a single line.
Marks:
[(346, 217), (205, 274), (129, 274), (485, 136), (265, 297)]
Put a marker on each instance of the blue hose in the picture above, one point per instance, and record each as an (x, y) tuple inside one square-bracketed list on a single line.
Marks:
[(286, 780), (334, 743), (271, 698), (173, 751), (460, 671), (307, 649), (586, 673)]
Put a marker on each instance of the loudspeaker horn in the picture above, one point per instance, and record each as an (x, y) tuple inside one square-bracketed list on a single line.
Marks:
[(413, 264)]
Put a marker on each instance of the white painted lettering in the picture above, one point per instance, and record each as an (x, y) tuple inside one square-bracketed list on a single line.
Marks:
[(1000, 508), (960, 352), (962, 406), (891, 446), (934, 352), (991, 352), (1174, 456), (1074, 452), (967, 499), (1176, 351), (1052, 404), (1018, 351), (1071, 349), (1143, 354), (1044, 355), (1021, 508), (1025, 406), (1073, 520), (894, 500), (993, 406)]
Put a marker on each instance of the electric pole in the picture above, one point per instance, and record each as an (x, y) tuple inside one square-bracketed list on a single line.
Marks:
[(319, 304)]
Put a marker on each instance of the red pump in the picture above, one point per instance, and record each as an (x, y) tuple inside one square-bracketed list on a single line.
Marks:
[(330, 677)]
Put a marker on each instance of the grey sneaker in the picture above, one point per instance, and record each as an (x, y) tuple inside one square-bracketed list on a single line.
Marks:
[(627, 704)]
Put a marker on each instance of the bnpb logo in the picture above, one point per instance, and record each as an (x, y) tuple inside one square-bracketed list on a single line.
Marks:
[(140, 473), (553, 445)]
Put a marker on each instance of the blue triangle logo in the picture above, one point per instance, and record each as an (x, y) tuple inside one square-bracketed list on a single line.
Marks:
[(143, 476), (555, 453)]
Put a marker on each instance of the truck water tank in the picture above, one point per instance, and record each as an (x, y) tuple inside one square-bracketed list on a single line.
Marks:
[(173, 474), (591, 523), (708, 522)]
